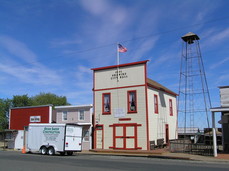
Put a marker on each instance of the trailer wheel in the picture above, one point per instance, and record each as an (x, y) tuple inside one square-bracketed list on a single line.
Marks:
[(51, 151), (69, 153), (43, 150)]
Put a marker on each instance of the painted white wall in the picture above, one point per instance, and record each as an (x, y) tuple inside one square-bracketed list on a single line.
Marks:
[(157, 121), (133, 75), (19, 140), (119, 100)]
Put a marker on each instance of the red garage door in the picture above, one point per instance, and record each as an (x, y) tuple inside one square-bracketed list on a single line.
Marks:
[(125, 136)]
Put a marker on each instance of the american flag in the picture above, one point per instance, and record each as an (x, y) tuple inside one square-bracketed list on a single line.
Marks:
[(121, 48)]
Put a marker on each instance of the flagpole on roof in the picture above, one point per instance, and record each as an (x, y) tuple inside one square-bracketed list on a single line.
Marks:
[(117, 61)]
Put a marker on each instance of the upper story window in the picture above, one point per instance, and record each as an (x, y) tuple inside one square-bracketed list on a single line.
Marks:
[(155, 104), (64, 115), (170, 107), (132, 101), (81, 115), (106, 103)]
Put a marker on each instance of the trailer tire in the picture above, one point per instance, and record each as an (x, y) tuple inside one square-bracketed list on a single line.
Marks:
[(51, 151), (43, 150), (69, 153)]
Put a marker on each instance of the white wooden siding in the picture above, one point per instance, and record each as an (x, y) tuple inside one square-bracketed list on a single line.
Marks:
[(157, 121), (135, 76)]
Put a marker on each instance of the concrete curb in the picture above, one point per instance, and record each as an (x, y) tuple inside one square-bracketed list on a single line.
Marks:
[(136, 155)]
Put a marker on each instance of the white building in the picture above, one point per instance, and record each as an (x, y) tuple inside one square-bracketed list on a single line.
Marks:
[(81, 115), (130, 110), (224, 111)]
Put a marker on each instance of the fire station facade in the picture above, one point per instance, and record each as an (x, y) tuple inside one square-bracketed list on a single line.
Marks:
[(130, 110)]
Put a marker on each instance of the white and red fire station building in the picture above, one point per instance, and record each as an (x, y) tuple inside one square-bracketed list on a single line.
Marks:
[(131, 111)]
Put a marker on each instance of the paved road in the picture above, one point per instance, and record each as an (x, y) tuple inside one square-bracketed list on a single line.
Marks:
[(15, 161)]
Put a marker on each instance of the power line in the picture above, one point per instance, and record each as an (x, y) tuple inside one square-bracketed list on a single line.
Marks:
[(151, 35), (138, 38)]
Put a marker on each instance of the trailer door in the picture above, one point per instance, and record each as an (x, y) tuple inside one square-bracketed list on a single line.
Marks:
[(73, 138)]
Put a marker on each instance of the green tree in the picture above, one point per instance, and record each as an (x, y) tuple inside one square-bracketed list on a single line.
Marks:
[(5, 105), (21, 100), (49, 98)]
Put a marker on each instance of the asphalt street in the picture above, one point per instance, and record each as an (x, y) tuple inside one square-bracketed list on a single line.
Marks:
[(16, 161)]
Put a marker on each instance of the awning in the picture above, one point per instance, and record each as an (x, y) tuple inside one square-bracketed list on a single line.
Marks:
[(82, 124), (220, 109)]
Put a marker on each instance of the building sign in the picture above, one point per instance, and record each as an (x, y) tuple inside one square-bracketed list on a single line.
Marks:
[(121, 75), (119, 113), (35, 118)]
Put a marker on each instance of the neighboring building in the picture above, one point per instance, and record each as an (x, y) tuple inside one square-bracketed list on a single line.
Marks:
[(130, 110), (20, 117), (224, 110), (82, 115), (188, 133)]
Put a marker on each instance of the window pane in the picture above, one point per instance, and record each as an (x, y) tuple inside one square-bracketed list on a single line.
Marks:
[(65, 115), (81, 115), (106, 103), (132, 101)]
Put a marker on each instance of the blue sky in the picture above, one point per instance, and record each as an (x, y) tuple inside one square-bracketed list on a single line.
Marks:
[(51, 45)]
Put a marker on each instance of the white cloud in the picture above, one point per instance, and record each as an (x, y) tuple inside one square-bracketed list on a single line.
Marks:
[(219, 63), (39, 75), (142, 48), (32, 72), (97, 7), (17, 48), (64, 42), (223, 79), (219, 36)]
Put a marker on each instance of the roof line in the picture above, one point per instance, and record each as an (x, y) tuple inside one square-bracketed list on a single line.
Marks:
[(121, 65), (73, 106), (156, 85), (31, 106)]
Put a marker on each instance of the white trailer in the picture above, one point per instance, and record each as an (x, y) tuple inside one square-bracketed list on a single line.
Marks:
[(51, 138)]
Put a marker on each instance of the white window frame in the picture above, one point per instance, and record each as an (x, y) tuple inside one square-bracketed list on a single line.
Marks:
[(64, 115), (35, 119), (79, 118)]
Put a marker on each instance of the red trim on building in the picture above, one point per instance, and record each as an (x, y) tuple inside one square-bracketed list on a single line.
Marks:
[(103, 105), (155, 104), (124, 136), (170, 107), (94, 135), (129, 101), (147, 112), (96, 129), (120, 87), (123, 124), (124, 119), (122, 65)]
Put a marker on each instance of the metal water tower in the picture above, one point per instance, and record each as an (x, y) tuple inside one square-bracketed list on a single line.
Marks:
[(194, 99)]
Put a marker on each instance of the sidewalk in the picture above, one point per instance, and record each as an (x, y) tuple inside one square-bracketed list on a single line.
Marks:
[(159, 153)]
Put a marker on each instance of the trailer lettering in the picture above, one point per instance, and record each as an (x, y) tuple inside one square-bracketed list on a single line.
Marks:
[(51, 130)]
